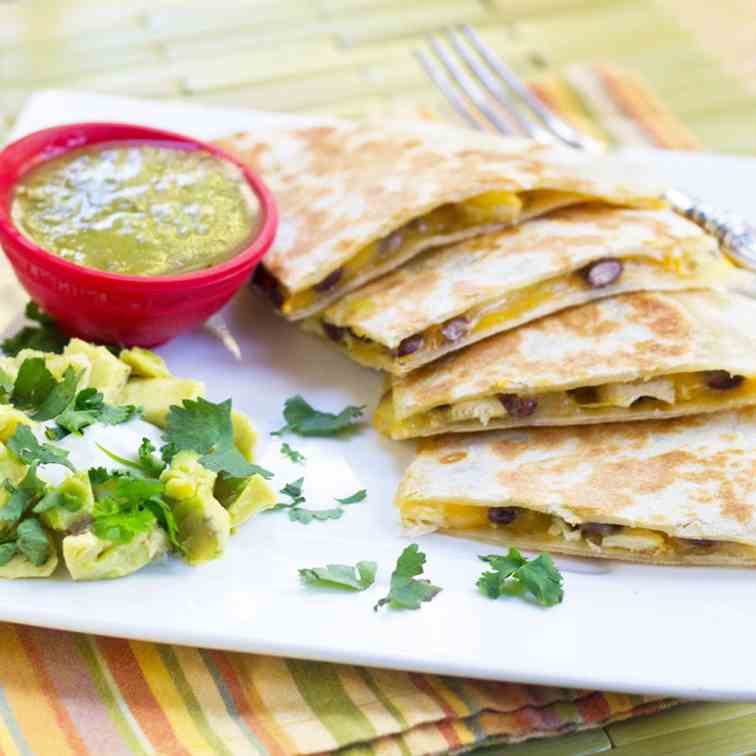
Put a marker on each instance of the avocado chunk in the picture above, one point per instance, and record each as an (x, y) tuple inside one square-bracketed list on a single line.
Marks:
[(77, 503), (144, 363), (245, 437), (91, 558), (156, 395), (109, 374), (20, 567), (10, 468), (203, 524), (10, 419), (246, 499), (57, 364)]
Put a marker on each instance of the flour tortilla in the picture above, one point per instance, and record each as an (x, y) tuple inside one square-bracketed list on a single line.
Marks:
[(498, 281), (688, 478), (629, 338), (342, 185)]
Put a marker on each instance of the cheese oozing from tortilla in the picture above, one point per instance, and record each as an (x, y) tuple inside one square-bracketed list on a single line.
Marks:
[(515, 307), (565, 407), (530, 528), (490, 210)]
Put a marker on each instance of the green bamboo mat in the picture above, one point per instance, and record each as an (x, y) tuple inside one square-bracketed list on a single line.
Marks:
[(354, 57)]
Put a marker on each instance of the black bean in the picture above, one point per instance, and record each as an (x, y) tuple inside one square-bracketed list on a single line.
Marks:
[(455, 329), (264, 281), (392, 242), (603, 272), (722, 380), (502, 515), (599, 529), (329, 281), (517, 406), (409, 345), (334, 332)]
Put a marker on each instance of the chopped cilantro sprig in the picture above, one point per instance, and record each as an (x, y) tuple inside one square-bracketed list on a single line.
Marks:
[(406, 591), (45, 336), (515, 575), (355, 578), (303, 419)]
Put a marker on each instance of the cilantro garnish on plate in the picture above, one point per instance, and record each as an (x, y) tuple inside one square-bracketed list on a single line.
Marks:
[(303, 419), (407, 592), (515, 575), (23, 443), (45, 336), (292, 454), (205, 427), (356, 578), (90, 407), (355, 498)]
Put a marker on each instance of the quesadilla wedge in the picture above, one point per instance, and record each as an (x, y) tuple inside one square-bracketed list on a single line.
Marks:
[(452, 297), (357, 202), (630, 357), (676, 492)]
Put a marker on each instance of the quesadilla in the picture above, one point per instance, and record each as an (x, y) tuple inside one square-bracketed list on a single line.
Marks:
[(451, 297), (677, 492), (631, 357), (357, 202)]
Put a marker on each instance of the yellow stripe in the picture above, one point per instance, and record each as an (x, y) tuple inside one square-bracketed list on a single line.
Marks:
[(464, 733), (261, 712), (415, 706), (7, 746), (364, 698), (35, 717), (458, 706), (205, 689), (280, 695), (170, 700), (426, 739)]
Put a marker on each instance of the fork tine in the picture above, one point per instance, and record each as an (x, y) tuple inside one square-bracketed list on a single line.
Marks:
[(491, 83), (557, 126), (469, 87), (442, 81)]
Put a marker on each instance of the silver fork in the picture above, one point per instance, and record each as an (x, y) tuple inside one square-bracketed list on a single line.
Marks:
[(483, 89)]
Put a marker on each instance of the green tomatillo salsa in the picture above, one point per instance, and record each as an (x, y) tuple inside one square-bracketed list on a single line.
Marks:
[(137, 209)]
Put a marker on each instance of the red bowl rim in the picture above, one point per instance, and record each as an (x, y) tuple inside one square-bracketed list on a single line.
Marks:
[(58, 140)]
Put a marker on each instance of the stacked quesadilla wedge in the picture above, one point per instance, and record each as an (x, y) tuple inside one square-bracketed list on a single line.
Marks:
[(677, 492), (629, 357), (449, 298), (357, 202)]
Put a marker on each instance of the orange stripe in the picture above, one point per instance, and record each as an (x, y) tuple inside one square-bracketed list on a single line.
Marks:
[(22, 685), (246, 711), (48, 689), (138, 697), (444, 726), (256, 704)]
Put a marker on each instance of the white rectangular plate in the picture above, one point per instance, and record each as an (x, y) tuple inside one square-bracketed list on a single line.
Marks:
[(685, 631)]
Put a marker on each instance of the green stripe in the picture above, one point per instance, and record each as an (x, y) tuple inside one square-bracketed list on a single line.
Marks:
[(192, 705), (388, 705), (122, 724), (325, 695)]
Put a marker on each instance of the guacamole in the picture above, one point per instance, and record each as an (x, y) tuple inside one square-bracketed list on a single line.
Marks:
[(137, 209)]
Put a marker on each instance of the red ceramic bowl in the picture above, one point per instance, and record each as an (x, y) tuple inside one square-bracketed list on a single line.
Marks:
[(107, 307)]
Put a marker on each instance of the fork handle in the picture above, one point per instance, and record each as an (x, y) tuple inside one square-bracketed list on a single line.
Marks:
[(737, 237)]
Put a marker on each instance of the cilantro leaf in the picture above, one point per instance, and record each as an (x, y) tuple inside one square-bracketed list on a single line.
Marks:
[(406, 591), (514, 575), (294, 492), (355, 498), (292, 454), (59, 397), (306, 516), (151, 465), (53, 499), (32, 541), (6, 386), (22, 497), (33, 384), (358, 577), (119, 524), (24, 445), (305, 420), (45, 337), (7, 552), (205, 427), (90, 407)]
